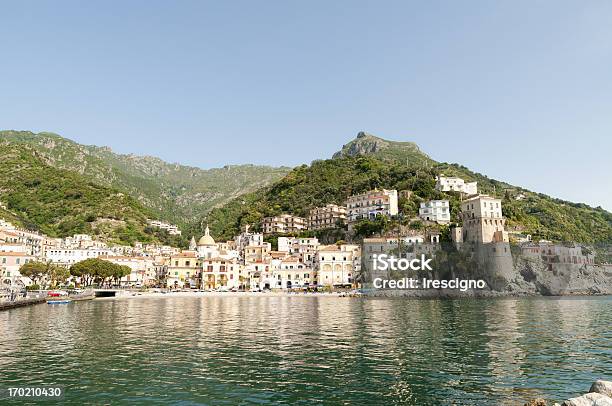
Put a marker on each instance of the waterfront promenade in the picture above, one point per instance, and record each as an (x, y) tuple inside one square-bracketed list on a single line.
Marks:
[(11, 304)]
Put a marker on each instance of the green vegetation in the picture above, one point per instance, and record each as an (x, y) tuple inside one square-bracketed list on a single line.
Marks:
[(99, 271), (61, 188), (175, 193), (52, 275), (369, 162), (61, 203)]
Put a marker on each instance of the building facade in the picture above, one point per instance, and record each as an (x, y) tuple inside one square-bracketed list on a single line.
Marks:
[(328, 216), (435, 210), (337, 265), (183, 270), (455, 184), (368, 205), (482, 220), (283, 224)]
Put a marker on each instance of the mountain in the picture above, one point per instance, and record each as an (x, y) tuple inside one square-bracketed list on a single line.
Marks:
[(369, 162), (60, 203), (175, 193), (392, 151)]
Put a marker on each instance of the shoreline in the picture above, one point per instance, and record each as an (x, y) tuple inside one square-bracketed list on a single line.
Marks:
[(420, 295)]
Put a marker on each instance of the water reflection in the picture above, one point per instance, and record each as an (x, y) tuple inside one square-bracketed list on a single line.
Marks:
[(305, 349)]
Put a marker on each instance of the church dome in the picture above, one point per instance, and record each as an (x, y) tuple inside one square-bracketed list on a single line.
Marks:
[(206, 239)]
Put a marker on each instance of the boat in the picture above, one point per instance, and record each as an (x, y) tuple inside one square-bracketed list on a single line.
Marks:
[(59, 301)]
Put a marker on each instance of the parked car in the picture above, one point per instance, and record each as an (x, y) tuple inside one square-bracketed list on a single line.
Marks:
[(57, 293)]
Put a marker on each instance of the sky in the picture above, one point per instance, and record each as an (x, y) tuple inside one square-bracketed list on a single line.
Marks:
[(518, 90)]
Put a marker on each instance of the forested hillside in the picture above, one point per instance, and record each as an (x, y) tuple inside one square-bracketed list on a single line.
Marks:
[(60, 203), (175, 193), (369, 162)]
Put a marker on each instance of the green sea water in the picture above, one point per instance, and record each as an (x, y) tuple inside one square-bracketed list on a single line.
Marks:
[(309, 350)]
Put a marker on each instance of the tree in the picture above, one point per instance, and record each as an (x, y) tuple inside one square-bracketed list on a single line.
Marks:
[(57, 274), (39, 271), (34, 270), (92, 269), (119, 271)]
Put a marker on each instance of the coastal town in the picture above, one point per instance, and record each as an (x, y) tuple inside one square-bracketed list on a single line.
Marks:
[(248, 262)]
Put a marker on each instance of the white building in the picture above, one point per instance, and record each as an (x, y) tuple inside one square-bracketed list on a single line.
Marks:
[(292, 273), (69, 256), (246, 239), (455, 184), (370, 204), (304, 248), (207, 247), (435, 210), (171, 228)]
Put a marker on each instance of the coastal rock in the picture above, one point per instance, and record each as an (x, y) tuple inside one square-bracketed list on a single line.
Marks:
[(534, 276), (590, 399), (603, 387), (536, 402)]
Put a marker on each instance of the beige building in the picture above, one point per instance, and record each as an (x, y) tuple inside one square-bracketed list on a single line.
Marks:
[(337, 265), (220, 273), (370, 204), (283, 224), (257, 253), (183, 269), (482, 220), (328, 216)]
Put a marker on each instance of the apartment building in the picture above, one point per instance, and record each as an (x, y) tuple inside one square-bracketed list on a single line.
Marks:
[(455, 184), (283, 224), (183, 269), (10, 262), (143, 272), (69, 256), (304, 248), (435, 210), (257, 253), (370, 204), (552, 253), (220, 273), (292, 273), (328, 216)]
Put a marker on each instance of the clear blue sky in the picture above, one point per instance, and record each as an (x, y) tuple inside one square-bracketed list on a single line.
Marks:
[(518, 90)]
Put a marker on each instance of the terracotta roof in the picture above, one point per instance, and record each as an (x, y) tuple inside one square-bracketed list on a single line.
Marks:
[(15, 254), (185, 255)]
